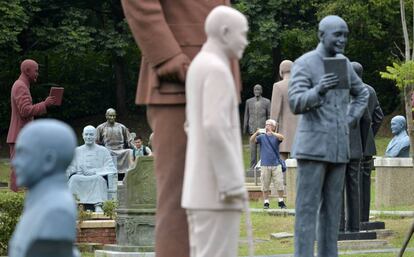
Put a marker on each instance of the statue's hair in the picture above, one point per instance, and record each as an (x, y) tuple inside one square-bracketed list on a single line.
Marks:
[(89, 127), (357, 68), (259, 86), (329, 21), (219, 16), (28, 63), (285, 67), (110, 109)]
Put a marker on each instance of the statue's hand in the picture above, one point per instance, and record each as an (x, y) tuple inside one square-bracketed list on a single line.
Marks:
[(174, 69), (327, 82), (352, 122), (236, 194), (50, 100)]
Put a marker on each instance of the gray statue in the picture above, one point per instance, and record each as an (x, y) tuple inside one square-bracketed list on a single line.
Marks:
[(116, 138), (86, 173), (47, 227), (321, 144), (399, 146), (281, 112), (256, 112), (350, 214), (370, 124)]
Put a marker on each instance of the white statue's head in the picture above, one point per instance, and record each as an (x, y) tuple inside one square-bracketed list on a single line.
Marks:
[(229, 28), (89, 135)]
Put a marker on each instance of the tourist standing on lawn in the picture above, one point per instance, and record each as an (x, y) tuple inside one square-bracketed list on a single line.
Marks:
[(271, 166)]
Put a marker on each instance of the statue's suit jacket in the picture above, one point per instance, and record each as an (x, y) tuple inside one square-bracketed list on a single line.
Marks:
[(214, 163), (22, 108), (255, 119), (164, 29), (372, 122), (323, 132), (282, 114)]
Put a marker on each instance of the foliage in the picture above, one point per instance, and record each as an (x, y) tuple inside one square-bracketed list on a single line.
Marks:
[(109, 208), (402, 74), (83, 214), (11, 207)]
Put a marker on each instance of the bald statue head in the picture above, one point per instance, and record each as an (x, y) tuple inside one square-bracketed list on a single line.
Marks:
[(44, 147), (228, 28), (398, 124), (30, 69), (285, 67), (257, 90), (357, 68), (333, 34), (89, 135), (110, 115)]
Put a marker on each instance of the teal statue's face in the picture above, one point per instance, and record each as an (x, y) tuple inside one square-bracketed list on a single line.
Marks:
[(334, 38)]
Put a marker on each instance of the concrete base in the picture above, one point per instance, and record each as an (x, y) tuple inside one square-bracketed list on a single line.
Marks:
[(106, 253), (362, 244), (128, 248), (372, 225), (361, 235)]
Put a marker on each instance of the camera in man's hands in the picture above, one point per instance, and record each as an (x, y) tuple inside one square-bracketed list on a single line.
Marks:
[(262, 131)]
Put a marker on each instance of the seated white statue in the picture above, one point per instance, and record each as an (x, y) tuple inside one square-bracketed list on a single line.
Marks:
[(90, 164)]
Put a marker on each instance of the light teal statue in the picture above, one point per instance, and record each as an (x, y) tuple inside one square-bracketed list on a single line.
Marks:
[(89, 166), (399, 146), (47, 227)]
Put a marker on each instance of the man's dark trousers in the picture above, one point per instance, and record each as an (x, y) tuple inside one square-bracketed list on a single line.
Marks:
[(365, 187), (318, 187)]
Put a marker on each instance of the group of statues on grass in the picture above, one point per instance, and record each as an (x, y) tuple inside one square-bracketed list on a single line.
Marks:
[(199, 169)]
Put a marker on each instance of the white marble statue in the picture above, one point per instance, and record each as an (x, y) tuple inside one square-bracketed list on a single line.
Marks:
[(86, 173), (213, 190)]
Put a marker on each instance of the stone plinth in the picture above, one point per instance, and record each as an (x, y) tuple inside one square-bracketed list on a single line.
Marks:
[(394, 182), (135, 221), (291, 182), (361, 235)]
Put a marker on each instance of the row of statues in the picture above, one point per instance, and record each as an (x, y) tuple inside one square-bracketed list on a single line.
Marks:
[(200, 182)]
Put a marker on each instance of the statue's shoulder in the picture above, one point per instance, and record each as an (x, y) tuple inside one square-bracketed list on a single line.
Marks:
[(101, 126)]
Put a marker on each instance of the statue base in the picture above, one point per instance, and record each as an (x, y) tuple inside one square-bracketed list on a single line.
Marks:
[(372, 225), (361, 235), (111, 253)]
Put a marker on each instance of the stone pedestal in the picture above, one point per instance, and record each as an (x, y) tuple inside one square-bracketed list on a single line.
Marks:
[(372, 225), (135, 222), (361, 235), (291, 182), (394, 182)]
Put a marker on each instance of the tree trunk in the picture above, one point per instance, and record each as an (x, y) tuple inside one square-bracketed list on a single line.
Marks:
[(119, 66), (405, 31)]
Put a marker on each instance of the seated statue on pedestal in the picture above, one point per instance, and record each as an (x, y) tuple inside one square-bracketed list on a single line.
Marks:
[(399, 146), (117, 139), (86, 173)]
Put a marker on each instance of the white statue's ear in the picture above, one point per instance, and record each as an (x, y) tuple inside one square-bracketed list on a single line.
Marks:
[(320, 35), (225, 34)]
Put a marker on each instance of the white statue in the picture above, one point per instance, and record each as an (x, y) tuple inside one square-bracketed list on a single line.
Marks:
[(86, 173), (213, 190)]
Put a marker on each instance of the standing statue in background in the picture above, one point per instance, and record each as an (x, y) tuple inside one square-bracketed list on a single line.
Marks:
[(116, 138), (213, 190), (321, 144), (280, 111), (47, 227), (22, 108), (169, 34), (370, 125), (86, 173), (399, 146), (256, 112)]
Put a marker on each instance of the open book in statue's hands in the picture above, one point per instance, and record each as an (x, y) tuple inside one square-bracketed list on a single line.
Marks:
[(337, 66)]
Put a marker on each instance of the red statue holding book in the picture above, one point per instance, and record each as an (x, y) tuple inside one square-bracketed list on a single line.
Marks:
[(22, 108)]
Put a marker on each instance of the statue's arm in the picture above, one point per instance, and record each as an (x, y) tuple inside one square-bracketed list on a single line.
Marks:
[(246, 118), (377, 116), (151, 31), (21, 95), (220, 132), (109, 166), (360, 97), (303, 95), (276, 104)]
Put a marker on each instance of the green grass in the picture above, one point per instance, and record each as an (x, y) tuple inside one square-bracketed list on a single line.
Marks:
[(4, 171)]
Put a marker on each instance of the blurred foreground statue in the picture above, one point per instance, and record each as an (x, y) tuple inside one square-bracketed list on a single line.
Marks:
[(213, 191), (47, 227)]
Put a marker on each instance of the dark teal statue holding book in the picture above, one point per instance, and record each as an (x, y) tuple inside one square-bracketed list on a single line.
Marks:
[(321, 144)]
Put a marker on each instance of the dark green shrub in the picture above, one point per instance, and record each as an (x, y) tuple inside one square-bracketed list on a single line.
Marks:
[(11, 207)]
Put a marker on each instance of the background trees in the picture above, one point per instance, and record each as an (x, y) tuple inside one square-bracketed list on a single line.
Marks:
[(86, 47)]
